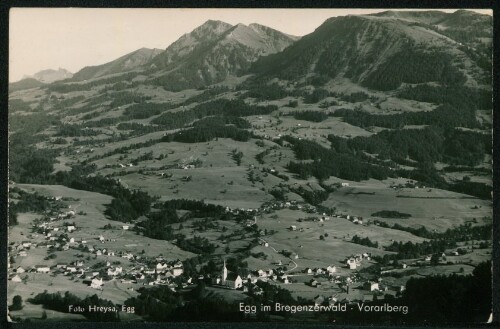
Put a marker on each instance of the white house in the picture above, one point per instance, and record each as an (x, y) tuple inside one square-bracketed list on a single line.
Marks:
[(42, 269), (373, 286), (96, 283), (161, 266), (125, 227), (71, 228), (293, 227), (20, 270), (344, 184), (351, 263), (16, 278), (331, 269), (176, 271)]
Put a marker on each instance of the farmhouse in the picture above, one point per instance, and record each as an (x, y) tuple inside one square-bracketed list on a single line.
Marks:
[(344, 184), (20, 270), (351, 263), (125, 227)]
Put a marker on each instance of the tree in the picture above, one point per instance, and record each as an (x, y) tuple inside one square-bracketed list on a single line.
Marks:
[(435, 259), (17, 303)]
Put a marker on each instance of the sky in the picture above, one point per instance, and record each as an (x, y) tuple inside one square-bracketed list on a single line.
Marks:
[(72, 38)]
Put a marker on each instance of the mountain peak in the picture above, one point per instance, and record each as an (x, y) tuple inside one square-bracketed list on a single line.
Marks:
[(51, 75)]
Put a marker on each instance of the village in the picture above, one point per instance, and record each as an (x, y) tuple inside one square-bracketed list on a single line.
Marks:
[(97, 264)]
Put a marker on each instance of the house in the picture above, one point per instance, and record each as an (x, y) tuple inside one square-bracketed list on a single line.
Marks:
[(116, 271), (71, 240), (101, 238), (16, 278), (42, 269), (61, 265), (351, 263), (293, 227), (125, 227), (344, 184), (20, 270), (319, 271), (314, 283), (176, 271), (71, 228), (261, 273), (309, 270), (372, 286), (96, 283), (22, 253), (331, 269), (161, 266)]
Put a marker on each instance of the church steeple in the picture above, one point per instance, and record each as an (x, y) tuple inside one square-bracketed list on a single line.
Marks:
[(224, 272)]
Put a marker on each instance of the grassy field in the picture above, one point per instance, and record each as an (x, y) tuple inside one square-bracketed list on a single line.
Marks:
[(432, 208)]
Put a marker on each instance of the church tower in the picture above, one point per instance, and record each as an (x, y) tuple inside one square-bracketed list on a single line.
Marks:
[(224, 272)]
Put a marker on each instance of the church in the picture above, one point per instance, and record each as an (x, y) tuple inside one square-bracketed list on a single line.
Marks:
[(230, 279)]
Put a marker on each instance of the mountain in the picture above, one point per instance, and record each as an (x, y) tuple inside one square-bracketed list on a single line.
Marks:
[(123, 64), (26, 83), (214, 51), (465, 26), (50, 75), (382, 51)]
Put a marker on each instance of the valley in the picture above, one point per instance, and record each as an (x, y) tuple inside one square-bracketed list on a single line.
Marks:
[(242, 164)]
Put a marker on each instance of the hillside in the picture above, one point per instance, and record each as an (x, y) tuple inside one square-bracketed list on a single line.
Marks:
[(123, 64), (27, 83), (380, 52)]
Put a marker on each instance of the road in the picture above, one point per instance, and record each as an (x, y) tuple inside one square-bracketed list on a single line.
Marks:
[(289, 270)]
